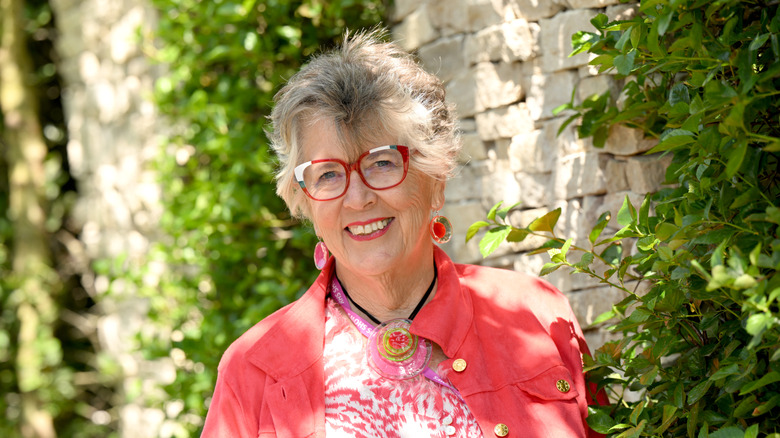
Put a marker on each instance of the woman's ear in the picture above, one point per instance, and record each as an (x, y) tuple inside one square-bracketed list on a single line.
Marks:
[(437, 198)]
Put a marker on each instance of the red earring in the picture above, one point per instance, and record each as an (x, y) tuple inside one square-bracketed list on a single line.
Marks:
[(441, 229), (321, 255)]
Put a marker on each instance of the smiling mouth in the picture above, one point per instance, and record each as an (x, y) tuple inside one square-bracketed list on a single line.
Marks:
[(363, 230)]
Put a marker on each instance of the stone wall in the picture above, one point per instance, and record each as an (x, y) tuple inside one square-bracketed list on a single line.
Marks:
[(506, 66), (113, 138)]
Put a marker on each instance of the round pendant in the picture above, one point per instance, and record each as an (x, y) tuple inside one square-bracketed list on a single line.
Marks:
[(394, 352)]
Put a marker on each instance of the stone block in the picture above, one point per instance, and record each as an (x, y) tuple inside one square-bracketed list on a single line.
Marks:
[(467, 125), (534, 10), (402, 8), (623, 140), (500, 149), (484, 13), (462, 215), (415, 30), (588, 304), (449, 16), (512, 41), (600, 84), (549, 91), (535, 189), (467, 183), (504, 122), (555, 39), (567, 141), (615, 173), (462, 92), (645, 173), (524, 153), (473, 148), (536, 151), (579, 175), (443, 57), (500, 184), (498, 84), (622, 11), (530, 264), (593, 4)]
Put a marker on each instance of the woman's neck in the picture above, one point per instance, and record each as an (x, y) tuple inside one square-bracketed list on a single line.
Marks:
[(388, 297)]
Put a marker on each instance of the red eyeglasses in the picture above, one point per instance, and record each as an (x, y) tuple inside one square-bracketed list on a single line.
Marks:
[(380, 168)]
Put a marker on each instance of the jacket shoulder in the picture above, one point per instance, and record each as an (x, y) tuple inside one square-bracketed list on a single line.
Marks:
[(513, 291), (238, 349)]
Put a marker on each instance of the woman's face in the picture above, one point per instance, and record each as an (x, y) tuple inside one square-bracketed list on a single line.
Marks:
[(401, 214)]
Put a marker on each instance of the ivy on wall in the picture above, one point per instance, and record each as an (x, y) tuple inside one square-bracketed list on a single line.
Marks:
[(700, 349)]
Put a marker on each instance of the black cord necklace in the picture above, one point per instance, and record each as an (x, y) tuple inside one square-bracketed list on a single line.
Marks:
[(414, 312)]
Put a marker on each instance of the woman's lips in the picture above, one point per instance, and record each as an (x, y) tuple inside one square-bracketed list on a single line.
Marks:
[(368, 230)]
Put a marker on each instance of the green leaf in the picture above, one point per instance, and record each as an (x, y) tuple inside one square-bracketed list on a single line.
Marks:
[(492, 213), (767, 379), (474, 228), (725, 372), (606, 316), (698, 391), (550, 267), (758, 322), (758, 42), (625, 63), (504, 211), (728, 432), (601, 223), (627, 213), (546, 222), (669, 415), (599, 420), (673, 140), (517, 235), (493, 239), (663, 22), (735, 157)]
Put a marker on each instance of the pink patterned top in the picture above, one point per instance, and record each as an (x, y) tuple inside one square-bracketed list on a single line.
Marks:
[(361, 403)]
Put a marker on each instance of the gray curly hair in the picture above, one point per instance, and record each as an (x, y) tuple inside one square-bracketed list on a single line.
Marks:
[(367, 87)]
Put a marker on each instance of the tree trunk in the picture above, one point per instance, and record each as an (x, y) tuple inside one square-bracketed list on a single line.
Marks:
[(25, 149)]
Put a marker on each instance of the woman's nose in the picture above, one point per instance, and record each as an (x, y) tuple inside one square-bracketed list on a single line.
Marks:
[(358, 195)]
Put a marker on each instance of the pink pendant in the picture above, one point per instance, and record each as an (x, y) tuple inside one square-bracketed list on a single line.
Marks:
[(394, 352)]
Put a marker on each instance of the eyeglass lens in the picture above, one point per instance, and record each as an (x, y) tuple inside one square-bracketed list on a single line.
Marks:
[(380, 170)]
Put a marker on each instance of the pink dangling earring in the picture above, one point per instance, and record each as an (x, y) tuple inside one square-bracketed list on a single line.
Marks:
[(441, 229), (321, 255)]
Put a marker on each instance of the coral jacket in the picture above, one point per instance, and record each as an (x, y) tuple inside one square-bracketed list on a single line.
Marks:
[(519, 339)]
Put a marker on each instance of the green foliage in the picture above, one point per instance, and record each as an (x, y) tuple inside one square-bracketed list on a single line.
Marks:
[(699, 325), (235, 255)]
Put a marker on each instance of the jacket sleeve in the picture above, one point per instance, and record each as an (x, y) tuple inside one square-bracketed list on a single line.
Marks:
[(572, 357), (230, 415)]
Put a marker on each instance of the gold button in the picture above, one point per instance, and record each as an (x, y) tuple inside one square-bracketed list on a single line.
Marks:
[(501, 429), (459, 365), (562, 385)]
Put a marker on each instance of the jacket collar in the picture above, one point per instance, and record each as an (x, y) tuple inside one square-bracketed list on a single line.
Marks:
[(295, 340), (445, 320)]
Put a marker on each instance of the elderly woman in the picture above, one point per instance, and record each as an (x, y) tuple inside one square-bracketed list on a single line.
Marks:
[(393, 338)]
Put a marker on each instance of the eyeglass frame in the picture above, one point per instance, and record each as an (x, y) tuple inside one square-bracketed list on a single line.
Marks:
[(355, 165)]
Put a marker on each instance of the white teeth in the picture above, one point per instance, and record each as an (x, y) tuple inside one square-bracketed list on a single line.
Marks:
[(369, 228)]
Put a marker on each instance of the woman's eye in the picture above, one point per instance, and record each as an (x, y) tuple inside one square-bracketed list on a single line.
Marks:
[(328, 176)]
